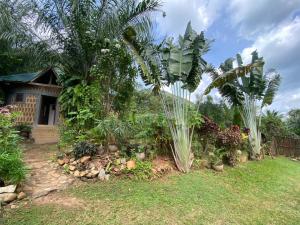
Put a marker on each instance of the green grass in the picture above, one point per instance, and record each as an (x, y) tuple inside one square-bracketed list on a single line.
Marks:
[(264, 192)]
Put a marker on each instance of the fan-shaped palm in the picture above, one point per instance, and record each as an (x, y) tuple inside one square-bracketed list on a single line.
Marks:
[(251, 93)]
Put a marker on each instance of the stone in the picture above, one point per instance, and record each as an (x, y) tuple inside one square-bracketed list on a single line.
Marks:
[(101, 174), (116, 169), (83, 173), (72, 160), (204, 164), (94, 172), (72, 168), (131, 164), (73, 163), (154, 171), (122, 167), (14, 206), (8, 197), (84, 159), (123, 161), (243, 158), (61, 162), (77, 173), (218, 168), (91, 165), (113, 148), (89, 175), (66, 160), (8, 189), (140, 155), (101, 150), (106, 177), (44, 192), (21, 195)]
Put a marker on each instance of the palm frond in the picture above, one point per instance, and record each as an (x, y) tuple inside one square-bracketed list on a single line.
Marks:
[(272, 87)]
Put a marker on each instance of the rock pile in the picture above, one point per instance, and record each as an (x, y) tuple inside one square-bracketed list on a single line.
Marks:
[(8, 194), (96, 167)]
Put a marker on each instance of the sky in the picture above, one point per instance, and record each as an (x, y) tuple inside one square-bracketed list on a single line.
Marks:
[(272, 27)]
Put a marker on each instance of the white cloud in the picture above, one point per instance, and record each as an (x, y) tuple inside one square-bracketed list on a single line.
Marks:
[(202, 13), (281, 50), (254, 17)]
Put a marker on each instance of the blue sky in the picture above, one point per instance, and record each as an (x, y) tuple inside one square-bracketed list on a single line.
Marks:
[(240, 26)]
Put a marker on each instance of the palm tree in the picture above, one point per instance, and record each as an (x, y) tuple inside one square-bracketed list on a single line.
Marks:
[(251, 94), (81, 28), (21, 49)]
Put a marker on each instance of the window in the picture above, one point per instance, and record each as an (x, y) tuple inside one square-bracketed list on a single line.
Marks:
[(19, 97)]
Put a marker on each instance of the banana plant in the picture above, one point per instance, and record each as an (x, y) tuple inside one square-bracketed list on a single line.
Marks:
[(251, 93), (178, 67)]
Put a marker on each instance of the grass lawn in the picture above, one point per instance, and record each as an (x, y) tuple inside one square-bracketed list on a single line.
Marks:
[(264, 192)]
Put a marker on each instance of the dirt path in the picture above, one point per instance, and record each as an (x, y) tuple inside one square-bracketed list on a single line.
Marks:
[(44, 176)]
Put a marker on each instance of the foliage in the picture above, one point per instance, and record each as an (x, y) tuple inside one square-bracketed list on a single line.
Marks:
[(12, 169), (142, 170), (145, 102), (80, 97), (80, 28), (152, 131), (23, 127), (215, 157), (294, 121), (272, 125), (230, 139), (116, 78), (218, 112), (84, 149), (207, 132), (21, 50), (251, 93), (111, 130)]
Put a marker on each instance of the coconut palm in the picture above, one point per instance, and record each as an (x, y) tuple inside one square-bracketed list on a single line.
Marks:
[(251, 93)]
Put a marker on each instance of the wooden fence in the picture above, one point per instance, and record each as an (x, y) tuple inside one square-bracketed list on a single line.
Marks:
[(286, 146)]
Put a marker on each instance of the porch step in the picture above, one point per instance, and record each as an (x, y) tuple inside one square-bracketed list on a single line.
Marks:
[(45, 134)]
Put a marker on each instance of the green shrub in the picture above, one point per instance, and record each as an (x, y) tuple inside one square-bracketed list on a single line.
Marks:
[(12, 168), (110, 130), (142, 171), (84, 149), (23, 127), (151, 130)]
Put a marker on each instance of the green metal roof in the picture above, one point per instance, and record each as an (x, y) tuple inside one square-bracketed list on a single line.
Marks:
[(22, 77)]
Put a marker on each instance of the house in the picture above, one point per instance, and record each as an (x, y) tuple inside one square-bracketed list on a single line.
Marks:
[(35, 95)]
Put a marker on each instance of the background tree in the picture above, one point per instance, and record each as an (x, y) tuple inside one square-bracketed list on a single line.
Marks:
[(272, 125), (21, 50), (218, 112), (293, 121)]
